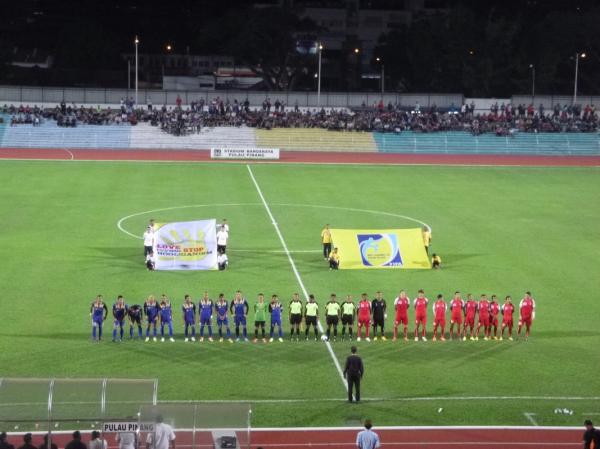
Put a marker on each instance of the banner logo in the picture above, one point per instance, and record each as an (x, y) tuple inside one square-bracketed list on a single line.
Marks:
[(379, 250)]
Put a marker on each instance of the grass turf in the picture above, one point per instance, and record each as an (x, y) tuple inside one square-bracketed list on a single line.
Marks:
[(499, 230)]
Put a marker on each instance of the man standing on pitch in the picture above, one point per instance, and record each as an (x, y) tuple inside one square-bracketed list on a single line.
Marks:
[(353, 373), (148, 242), (326, 241)]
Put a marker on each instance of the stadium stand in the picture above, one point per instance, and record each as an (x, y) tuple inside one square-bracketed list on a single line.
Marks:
[(314, 139)]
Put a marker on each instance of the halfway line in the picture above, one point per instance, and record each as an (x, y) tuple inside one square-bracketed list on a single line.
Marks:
[(294, 269)]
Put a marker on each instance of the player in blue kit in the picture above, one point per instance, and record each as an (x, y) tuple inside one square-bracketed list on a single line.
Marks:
[(239, 308), (135, 319), (166, 318), (222, 309), (119, 311), (275, 309), (151, 310), (98, 312), (189, 318), (205, 309)]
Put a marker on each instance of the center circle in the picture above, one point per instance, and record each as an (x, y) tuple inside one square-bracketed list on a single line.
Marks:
[(315, 206)]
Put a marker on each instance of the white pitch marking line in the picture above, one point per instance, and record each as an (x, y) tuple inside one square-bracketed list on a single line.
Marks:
[(530, 418), (72, 156), (294, 269)]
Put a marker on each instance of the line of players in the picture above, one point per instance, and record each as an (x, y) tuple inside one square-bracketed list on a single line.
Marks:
[(464, 314)]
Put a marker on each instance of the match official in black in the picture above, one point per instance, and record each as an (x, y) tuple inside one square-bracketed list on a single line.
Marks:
[(353, 373)]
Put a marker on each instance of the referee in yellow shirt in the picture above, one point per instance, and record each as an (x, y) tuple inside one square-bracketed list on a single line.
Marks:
[(326, 241), (311, 316), (332, 316)]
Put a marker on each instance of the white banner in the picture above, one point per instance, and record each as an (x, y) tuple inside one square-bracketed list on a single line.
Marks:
[(186, 245), (244, 153), (132, 426)]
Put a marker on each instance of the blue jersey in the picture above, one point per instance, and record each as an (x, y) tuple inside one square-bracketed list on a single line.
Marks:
[(119, 312), (98, 311), (239, 307), (276, 309), (221, 308), (166, 313), (151, 311), (206, 308), (189, 312)]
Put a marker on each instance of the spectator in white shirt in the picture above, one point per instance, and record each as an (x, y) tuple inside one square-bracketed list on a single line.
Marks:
[(222, 261), (148, 241), (161, 437), (126, 440), (222, 237)]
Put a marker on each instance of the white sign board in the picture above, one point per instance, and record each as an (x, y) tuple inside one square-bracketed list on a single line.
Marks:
[(132, 426), (244, 153)]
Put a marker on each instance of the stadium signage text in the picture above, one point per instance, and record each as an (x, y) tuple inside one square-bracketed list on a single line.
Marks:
[(128, 427), (244, 153)]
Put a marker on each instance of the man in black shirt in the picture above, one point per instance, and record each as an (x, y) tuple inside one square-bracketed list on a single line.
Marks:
[(44, 445), (3, 443), (76, 442), (378, 307), (27, 442), (353, 373), (591, 437)]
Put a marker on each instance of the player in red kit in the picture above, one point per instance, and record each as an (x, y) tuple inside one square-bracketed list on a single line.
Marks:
[(420, 315), (527, 314), (484, 318), (401, 304), (494, 311), (364, 316), (439, 317), (470, 312), (456, 314), (507, 309)]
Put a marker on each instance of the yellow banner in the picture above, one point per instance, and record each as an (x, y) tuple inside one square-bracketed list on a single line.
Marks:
[(380, 248)]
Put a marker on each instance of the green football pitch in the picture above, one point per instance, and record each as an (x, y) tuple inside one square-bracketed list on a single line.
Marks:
[(499, 230)]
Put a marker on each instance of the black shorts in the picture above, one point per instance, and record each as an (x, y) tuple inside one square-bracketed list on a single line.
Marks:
[(295, 318), (311, 320), (348, 319), (221, 249), (148, 250), (135, 319), (259, 324), (379, 321), (332, 320)]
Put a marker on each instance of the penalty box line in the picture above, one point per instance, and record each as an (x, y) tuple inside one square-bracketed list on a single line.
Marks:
[(294, 269)]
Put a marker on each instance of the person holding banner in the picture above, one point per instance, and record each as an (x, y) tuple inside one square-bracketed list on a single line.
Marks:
[(326, 241), (222, 237), (334, 260), (148, 241)]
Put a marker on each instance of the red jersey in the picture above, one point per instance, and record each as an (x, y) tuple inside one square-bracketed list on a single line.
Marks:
[(439, 309), (507, 311), (456, 307), (470, 308), (421, 306), (401, 305), (494, 309), (484, 308), (527, 307), (364, 309)]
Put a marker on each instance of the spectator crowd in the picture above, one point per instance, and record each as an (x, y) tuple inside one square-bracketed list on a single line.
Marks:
[(502, 120)]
